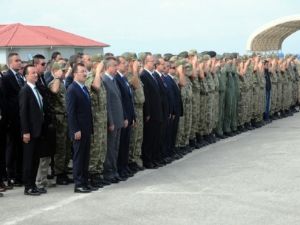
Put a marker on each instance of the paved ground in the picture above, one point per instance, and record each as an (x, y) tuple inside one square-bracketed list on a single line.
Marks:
[(253, 178)]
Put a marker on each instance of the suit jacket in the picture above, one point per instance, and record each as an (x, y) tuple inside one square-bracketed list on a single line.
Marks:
[(152, 104), (115, 114), (11, 91), (127, 98), (78, 111), (176, 96), (3, 108), (163, 90), (31, 116)]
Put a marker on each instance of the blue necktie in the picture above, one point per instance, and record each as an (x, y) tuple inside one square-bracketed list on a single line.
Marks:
[(86, 92), (20, 80)]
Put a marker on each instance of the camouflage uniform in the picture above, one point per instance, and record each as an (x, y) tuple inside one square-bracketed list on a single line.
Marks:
[(202, 106), (234, 120), (242, 102), (279, 103), (228, 99), (261, 95), (210, 122), (196, 108), (222, 88), (274, 81), (136, 138), (58, 105), (216, 99), (98, 139), (255, 96)]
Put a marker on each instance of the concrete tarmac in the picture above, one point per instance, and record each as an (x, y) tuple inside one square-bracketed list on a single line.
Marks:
[(249, 179)]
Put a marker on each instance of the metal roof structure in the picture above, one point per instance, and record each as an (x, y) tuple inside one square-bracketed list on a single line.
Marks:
[(271, 36), (14, 35)]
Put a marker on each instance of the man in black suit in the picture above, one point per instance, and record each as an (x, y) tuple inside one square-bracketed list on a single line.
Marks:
[(3, 130), (167, 108), (177, 112), (48, 137), (129, 117), (80, 124), (32, 119), (12, 83), (153, 116)]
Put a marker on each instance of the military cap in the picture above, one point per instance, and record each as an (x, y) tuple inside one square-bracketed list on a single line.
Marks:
[(173, 58), (133, 56), (192, 52), (158, 55), (180, 62), (167, 56), (142, 56), (58, 66), (219, 57), (127, 56), (184, 54), (205, 57), (96, 58)]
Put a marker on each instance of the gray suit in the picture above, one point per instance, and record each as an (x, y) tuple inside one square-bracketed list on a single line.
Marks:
[(115, 117)]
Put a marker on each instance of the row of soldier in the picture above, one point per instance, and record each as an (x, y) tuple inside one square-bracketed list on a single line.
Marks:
[(179, 103)]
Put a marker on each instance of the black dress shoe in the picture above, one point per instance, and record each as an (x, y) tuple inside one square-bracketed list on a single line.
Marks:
[(42, 190), (1, 195), (120, 178), (150, 166), (81, 190), (140, 168), (104, 182), (92, 188), (32, 192), (111, 180)]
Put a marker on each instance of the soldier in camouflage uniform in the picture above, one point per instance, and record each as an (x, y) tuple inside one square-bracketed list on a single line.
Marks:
[(274, 83), (210, 121), (136, 139), (221, 73), (58, 106), (242, 109), (99, 138), (235, 78), (228, 96), (195, 99)]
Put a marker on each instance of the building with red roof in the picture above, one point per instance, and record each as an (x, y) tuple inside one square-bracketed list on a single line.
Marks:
[(29, 40)]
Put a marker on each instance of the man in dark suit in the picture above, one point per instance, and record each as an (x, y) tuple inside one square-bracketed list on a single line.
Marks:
[(175, 96), (167, 108), (115, 117), (12, 83), (153, 116), (32, 119), (80, 124), (3, 130), (129, 117), (48, 139)]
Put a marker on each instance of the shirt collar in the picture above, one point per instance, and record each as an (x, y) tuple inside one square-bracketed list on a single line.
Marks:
[(148, 71), (109, 76), (158, 73), (14, 72), (171, 76), (80, 85), (120, 74), (31, 85)]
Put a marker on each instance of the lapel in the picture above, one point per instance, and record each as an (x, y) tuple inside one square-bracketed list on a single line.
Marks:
[(13, 80), (33, 96)]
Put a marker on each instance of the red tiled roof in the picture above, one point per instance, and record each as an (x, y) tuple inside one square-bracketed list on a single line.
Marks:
[(14, 35)]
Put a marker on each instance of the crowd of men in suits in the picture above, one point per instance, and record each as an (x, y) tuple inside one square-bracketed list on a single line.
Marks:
[(113, 116)]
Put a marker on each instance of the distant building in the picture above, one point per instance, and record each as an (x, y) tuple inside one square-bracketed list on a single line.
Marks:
[(29, 40)]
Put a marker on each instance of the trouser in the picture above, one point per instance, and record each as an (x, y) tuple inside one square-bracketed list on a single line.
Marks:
[(123, 155), (81, 156), (31, 158), (111, 159)]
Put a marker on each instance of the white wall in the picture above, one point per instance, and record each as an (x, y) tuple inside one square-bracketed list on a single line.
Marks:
[(27, 53), (3, 56)]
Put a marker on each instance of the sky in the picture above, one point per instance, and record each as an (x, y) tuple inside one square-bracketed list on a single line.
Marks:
[(158, 26)]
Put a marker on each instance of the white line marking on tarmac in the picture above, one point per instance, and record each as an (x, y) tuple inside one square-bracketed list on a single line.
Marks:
[(36, 212)]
